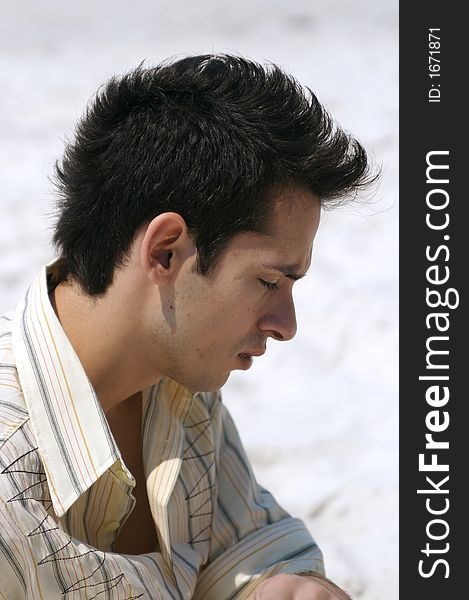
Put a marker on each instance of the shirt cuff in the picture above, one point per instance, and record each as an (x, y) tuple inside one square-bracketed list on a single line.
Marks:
[(285, 546)]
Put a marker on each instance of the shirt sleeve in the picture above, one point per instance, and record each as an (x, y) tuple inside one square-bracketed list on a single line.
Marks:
[(252, 536)]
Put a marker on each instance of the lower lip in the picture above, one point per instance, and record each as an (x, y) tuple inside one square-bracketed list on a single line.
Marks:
[(246, 360)]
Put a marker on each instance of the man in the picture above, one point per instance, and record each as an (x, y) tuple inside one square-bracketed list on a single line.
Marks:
[(190, 198)]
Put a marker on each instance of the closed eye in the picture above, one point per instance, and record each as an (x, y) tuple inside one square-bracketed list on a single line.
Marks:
[(268, 284)]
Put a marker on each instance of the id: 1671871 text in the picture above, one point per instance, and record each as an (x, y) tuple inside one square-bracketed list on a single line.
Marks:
[(434, 67)]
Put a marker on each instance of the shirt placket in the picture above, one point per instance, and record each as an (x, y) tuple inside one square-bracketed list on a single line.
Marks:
[(98, 515)]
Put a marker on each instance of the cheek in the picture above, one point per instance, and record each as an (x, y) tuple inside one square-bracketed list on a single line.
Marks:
[(223, 316)]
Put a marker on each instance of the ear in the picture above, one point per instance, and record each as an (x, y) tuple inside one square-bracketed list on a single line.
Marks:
[(166, 245)]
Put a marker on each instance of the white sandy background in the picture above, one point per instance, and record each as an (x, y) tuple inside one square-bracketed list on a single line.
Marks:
[(318, 415)]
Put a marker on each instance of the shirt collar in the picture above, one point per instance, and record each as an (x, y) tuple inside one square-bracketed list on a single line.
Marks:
[(73, 437)]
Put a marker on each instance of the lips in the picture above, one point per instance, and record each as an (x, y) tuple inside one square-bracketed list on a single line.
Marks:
[(252, 353), (245, 360)]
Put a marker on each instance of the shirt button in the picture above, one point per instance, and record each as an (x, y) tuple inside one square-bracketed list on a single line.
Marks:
[(112, 525)]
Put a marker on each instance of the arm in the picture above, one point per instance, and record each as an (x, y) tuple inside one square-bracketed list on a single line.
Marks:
[(253, 538)]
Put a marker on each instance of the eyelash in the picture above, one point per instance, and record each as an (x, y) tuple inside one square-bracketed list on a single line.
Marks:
[(268, 284)]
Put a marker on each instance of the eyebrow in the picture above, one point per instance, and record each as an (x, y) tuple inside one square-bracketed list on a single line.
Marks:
[(288, 270)]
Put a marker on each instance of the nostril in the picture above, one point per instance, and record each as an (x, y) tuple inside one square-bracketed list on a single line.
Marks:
[(277, 336)]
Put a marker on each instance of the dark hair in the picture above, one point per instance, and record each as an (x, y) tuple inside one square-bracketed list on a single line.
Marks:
[(210, 137)]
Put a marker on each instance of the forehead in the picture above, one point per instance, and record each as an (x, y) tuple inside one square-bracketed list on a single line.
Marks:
[(292, 225), (294, 212)]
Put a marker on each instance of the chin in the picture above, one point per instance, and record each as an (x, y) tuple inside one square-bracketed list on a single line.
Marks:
[(204, 384)]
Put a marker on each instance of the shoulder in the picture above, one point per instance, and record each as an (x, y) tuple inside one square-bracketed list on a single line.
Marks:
[(17, 447), (13, 411), (21, 468)]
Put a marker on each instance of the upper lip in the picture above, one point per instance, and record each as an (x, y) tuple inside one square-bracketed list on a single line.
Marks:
[(254, 352)]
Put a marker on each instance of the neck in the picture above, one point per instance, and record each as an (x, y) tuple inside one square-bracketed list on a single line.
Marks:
[(107, 342)]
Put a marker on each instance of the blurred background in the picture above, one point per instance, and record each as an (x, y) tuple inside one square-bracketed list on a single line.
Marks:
[(318, 415)]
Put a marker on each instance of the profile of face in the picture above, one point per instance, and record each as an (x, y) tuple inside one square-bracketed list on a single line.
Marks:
[(216, 323)]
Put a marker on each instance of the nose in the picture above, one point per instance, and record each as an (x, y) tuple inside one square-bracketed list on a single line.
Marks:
[(280, 323)]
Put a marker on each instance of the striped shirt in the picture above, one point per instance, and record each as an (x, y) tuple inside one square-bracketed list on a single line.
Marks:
[(65, 490)]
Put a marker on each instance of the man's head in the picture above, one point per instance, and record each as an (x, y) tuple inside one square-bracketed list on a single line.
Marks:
[(202, 180), (212, 138), (200, 328)]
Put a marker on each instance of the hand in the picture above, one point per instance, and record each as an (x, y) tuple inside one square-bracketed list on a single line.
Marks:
[(297, 587)]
